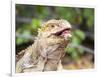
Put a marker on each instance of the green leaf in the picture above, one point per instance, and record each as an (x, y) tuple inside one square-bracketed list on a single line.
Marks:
[(36, 23), (75, 55), (70, 50), (76, 41), (80, 34), (19, 41), (26, 32)]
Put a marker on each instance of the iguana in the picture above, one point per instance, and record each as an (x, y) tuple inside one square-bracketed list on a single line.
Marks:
[(48, 49)]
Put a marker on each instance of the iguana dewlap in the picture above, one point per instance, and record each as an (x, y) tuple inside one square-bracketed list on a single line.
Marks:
[(46, 53)]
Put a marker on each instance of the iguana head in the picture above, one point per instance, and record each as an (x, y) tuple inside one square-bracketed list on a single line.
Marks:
[(57, 28)]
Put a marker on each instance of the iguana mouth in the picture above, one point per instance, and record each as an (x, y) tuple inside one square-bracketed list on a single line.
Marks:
[(63, 32)]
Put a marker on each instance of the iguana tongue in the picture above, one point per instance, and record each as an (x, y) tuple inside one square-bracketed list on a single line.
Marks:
[(66, 32)]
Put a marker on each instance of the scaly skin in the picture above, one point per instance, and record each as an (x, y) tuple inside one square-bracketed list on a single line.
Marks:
[(46, 53)]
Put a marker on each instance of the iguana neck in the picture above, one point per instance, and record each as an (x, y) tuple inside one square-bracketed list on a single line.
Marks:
[(51, 51)]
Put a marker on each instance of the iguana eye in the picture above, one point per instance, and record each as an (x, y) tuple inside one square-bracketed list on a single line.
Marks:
[(52, 26)]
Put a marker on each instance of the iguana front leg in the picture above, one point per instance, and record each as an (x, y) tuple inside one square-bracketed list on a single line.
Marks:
[(29, 58), (23, 62)]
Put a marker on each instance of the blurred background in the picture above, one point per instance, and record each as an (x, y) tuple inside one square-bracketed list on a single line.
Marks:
[(80, 53)]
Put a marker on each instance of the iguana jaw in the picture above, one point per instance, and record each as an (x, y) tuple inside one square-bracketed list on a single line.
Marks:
[(59, 33), (64, 33)]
